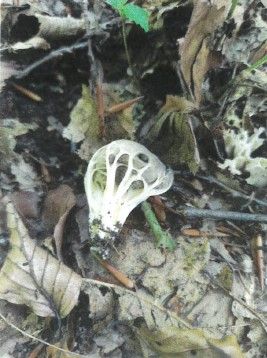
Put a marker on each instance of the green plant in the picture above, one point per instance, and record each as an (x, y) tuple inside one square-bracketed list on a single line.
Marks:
[(131, 12)]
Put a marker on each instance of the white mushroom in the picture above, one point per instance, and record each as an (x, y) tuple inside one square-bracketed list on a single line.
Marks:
[(120, 176)]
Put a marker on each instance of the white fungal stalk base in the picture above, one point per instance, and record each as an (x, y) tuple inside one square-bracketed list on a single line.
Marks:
[(120, 176)]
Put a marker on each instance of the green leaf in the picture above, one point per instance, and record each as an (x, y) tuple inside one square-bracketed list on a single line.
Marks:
[(116, 4), (136, 14)]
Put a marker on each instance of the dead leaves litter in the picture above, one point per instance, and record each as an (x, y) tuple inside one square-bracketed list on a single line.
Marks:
[(196, 58), (31, 276), (179, 341)]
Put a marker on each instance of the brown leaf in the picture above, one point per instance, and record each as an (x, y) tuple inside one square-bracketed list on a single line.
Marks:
[(57, 203), (31, 276), (26, 203), (196, 58), (159, 207)]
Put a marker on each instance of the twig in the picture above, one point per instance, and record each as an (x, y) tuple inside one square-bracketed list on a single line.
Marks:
[(51, 56), (242, 303), (163, 238), (212, 180), (221, 215), (136, 295), (100, 106), (39, 339), (126, 46), (234, 192), (258, 256)]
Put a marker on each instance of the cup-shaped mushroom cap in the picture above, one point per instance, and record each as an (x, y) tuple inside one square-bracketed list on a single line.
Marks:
[(120, 176)]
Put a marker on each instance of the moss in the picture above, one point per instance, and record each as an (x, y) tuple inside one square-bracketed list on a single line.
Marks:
[(225, 277), (196, 255)]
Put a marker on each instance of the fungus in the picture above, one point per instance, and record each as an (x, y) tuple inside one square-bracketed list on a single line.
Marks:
[(120, 176)]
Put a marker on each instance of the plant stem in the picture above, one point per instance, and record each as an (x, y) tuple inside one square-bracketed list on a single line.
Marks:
[(126, 45), (163, 238), (257, 64)]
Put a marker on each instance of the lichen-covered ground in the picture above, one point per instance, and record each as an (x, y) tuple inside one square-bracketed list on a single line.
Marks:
[(192, 89)]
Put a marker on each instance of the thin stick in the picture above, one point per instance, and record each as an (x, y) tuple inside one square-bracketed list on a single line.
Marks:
[(140, 298), (213, 180), (222, 215), (234, 192), (242, 303), (51, 56), (126, 45), (39, 339)]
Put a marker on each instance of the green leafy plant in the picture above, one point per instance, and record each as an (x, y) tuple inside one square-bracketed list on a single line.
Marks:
[(131, 12)]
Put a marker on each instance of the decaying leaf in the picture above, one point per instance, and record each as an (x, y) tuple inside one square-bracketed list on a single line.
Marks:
[(174, 131), (196, 58), (8, 69), (26, 203), (57, 206), (57, 202), (24, 174), (178, 341), (248, 34), (53, 27), (9, 130), (35, 42), (157, 9), (84, 125), (121, 123), (84, 121), (31, 276)]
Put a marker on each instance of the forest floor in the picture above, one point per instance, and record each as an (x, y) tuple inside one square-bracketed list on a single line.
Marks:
[(185, 276)]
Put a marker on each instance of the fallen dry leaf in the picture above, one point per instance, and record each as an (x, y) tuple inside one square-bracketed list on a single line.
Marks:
[(26, 203), (158, 207), (31, 276), (175, 341), (56, 204), (35, 42), (196, 58)]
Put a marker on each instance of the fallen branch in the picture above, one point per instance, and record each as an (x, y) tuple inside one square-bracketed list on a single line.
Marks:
[(212, 180), (51, 56), (25, 334), (221, 215)]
